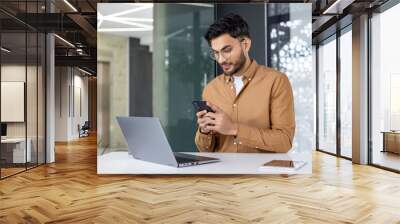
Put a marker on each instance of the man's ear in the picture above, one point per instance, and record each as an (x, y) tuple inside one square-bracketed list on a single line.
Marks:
[(247, 44)]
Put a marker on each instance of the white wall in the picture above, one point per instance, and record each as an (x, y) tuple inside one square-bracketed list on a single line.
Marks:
[(34, 124), (61, 103), (70, 83), (17, 73)]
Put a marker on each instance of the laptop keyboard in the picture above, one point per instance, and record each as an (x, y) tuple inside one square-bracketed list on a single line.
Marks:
[(180, 159)]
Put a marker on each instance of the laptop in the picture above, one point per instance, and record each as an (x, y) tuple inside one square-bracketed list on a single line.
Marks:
[(147, 141)]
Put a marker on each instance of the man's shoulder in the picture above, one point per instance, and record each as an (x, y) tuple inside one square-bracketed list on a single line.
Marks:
[(270, 72), (215, 82)]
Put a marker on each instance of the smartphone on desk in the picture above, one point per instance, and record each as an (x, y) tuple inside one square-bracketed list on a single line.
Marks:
[(283, 165), (200, 105)]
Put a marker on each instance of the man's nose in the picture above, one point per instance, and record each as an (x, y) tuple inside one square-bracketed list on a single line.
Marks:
[(221, 59)]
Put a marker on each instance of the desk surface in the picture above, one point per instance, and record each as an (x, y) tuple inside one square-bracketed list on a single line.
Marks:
[(231, 163)]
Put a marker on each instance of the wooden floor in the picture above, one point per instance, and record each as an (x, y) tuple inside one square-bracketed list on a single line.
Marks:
[(5, 172), (387, 159), (70, 191)]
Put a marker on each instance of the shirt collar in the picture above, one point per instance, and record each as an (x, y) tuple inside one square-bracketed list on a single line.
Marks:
[(247, 74)]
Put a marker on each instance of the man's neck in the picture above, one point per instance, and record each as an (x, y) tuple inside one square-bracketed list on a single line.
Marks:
[(244, 68)]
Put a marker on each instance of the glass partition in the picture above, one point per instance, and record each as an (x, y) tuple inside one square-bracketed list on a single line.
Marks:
[(181, 68), (14, 154), (289, 51), (22, 88), (156, 70), (327, 96), (385, 89), (346, 93)]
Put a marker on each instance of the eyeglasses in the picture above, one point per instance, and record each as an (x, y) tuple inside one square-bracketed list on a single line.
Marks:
[(225, 53)]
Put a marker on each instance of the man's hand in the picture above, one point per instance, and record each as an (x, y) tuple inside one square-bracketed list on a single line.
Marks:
[(220, 122), (203, 121)]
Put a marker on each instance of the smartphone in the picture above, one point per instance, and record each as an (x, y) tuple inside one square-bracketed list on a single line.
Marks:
[(202, 105), (285, 164)]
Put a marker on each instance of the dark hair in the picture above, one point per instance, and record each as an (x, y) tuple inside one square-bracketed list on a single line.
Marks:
[(231, 24)]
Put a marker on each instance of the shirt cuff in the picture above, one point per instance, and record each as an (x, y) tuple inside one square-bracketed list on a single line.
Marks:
[(205, 140)]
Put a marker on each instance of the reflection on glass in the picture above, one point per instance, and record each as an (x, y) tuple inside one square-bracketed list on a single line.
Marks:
[(289, 27), (41, 150), (31, 101), (385, 86), (171, 60), (346, 94), (182, 67), (22, 90), (327, 96), (13, 87)]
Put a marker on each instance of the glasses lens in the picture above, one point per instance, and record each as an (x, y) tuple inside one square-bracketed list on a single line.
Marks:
[(226, 53), (212, 55)]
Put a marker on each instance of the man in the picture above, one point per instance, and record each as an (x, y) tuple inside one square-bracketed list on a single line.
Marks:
[(253, 104)]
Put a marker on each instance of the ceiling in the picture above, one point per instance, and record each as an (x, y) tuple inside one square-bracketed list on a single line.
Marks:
[(76, 22), (127, 19)]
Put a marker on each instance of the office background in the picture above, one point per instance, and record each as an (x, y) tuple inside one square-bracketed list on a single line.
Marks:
[(361, 31), (340, 51), (22, 79), (360, 36), (29, 60), (180, 67)]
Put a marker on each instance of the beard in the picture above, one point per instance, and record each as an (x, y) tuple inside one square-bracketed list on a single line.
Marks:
[(236, 66)]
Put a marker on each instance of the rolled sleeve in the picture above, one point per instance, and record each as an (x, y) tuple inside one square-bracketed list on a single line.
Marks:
[(205, 142)]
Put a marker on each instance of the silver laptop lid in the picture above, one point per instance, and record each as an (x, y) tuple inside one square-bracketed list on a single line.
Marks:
[(146, 140)]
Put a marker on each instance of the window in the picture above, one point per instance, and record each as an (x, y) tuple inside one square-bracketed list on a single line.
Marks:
[(327, 96), (346, 93), (182, 68), (22, 87), (289, 50), (385, 89)]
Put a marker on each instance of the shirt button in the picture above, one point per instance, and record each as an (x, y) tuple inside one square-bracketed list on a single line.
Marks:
[(234, 143)]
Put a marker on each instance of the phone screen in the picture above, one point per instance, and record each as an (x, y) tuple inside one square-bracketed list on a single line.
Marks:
[(202, 105), (280, 163)]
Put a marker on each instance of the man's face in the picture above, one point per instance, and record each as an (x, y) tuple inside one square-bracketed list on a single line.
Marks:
[(230, 53)]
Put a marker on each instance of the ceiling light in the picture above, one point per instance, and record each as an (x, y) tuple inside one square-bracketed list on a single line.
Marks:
[(199, 4), (5, 50), (127, 19), (84, 71), (124, 29), (136, 9), (129, 23), (65, 41), (70, 5), (337, 7)]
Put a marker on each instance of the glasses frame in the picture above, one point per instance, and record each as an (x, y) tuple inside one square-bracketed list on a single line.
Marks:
[(226, 54)]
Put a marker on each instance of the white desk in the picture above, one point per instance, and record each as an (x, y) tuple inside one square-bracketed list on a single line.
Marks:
[(19, 149), (231, 163)]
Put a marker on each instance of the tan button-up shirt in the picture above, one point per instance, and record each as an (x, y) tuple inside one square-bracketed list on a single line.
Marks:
[(263, 112)]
